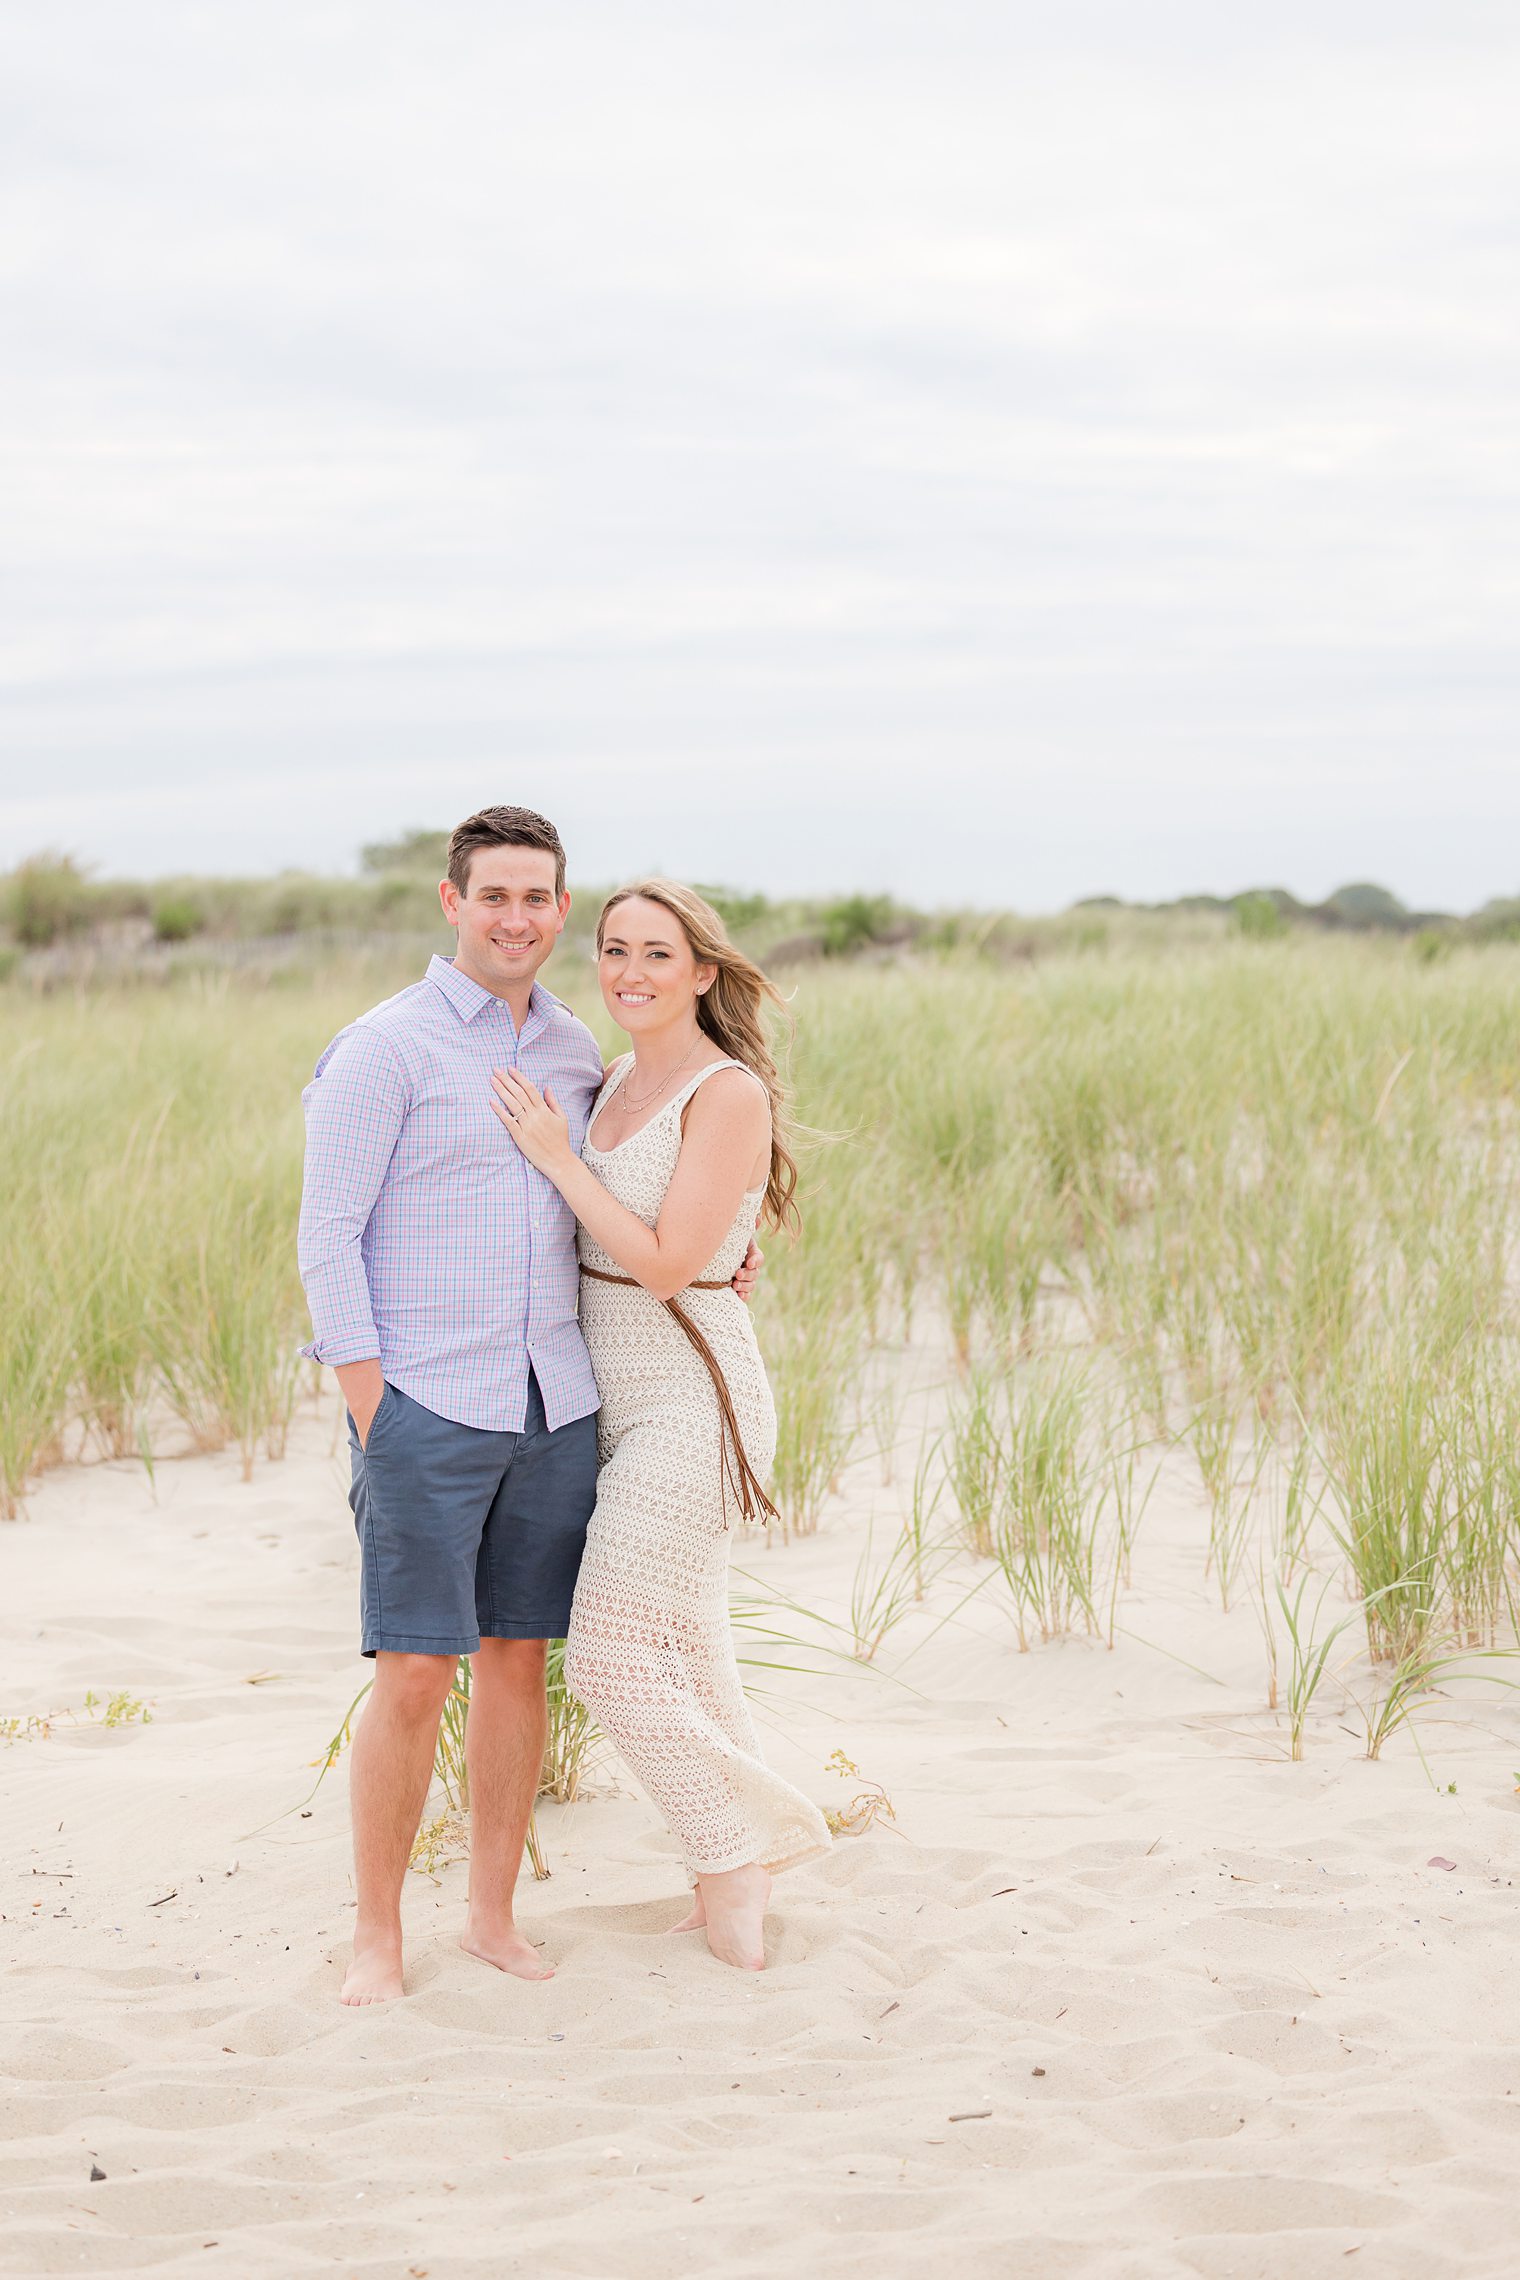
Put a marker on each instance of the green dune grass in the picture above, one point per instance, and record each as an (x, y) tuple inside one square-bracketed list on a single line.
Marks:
[(1260, 1194)]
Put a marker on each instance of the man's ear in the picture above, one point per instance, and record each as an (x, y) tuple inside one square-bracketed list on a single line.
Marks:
[(564, 909), (448, 895)]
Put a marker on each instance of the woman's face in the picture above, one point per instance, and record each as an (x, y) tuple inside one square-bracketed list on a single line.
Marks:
[(650, 978)]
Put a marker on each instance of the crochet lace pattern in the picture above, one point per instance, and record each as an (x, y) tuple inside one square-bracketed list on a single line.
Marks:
[(650, 1648)]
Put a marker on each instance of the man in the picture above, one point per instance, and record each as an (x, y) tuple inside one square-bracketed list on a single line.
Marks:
[(441, 1274)]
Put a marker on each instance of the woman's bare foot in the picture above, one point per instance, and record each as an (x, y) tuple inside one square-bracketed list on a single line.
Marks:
[(735, 1904), (697, 1920), (374, 1976), (504, 1945)]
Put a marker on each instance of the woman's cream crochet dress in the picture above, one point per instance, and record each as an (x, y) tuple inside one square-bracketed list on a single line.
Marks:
[(650, 1650)]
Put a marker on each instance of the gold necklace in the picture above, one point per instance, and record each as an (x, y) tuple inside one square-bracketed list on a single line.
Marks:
[(636, 1105)]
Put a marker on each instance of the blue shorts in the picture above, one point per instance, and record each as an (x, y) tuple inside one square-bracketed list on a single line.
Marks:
[(464, 1534)]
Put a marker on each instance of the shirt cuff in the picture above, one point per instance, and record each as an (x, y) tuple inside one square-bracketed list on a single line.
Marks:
[(334, 1354)]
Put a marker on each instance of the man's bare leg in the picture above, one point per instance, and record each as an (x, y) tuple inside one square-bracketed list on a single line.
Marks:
[(504, 1750), (389, 1773)]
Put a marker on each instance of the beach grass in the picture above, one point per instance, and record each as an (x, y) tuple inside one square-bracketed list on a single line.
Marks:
[(1257, 1196)]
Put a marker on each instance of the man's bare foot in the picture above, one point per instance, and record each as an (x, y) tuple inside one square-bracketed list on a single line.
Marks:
[(374, 1976), (504, 1945), (697, 1920), (735, 1903)]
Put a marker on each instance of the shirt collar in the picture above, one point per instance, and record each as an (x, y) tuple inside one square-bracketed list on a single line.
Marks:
[(467, 997)]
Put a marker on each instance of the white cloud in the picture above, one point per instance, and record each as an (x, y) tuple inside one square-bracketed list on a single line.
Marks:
[(760, 436)]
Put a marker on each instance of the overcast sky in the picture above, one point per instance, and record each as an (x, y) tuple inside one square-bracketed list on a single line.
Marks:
[(991, 451)]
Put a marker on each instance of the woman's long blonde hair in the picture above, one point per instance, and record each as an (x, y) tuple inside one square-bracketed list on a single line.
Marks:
[(731, 1012)]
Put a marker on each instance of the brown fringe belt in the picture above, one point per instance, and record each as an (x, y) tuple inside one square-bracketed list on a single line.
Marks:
[(738, 1472)]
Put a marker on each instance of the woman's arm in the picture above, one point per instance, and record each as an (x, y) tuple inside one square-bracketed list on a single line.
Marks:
[(728, 1123)]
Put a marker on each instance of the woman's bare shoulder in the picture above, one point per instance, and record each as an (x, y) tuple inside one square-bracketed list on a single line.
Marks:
[(732, 1097)]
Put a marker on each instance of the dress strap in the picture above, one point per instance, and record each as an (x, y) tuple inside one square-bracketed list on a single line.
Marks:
[(683, 1096)]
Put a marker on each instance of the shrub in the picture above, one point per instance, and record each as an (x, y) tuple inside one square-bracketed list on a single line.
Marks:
[(301, 903), (736, 909), (47, 897), (1258, 918), (414, 851), (399, 902), (1365, 904), (176, 918), (1497, 921), (855, 922)]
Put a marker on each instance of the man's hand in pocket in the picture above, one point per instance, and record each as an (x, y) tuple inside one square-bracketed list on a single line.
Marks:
[(363, 1386)]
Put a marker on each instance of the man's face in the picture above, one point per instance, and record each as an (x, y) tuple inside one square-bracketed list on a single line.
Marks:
[(508, 917)]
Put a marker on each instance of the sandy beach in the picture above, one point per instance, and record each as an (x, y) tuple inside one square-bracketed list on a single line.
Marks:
[(1122, 1992), (880, 630)]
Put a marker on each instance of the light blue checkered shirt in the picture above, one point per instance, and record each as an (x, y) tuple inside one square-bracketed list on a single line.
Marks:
[(426, 1238)]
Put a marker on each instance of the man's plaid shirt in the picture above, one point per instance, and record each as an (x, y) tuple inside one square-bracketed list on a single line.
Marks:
[(426, 1239)]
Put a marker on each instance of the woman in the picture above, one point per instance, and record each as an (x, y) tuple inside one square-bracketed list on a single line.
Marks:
[(683, 1153)]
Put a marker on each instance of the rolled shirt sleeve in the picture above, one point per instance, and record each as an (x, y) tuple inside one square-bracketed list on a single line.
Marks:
[(355, 1107)]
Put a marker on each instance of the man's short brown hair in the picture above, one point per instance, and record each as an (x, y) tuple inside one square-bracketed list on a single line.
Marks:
[(503, 827)]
